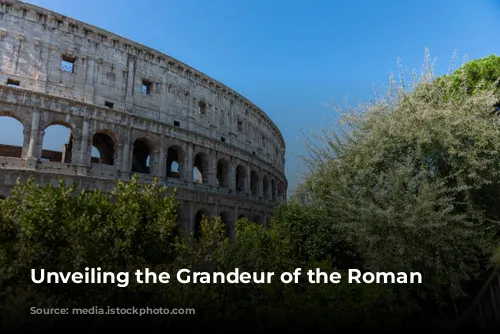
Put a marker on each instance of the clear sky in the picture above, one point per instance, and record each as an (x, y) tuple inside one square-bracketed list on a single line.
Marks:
[(290, 56)]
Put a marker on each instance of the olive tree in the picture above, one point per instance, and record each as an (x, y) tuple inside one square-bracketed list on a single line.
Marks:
[(411, 180)]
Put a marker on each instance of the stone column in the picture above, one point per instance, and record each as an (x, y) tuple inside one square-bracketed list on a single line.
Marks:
[(83, 159), (162, 168), (125, 167), (34, 134), (212, 168), (118, 157), (125, 159), (232, 175), (248, 172), (260, 186), (39, 144), (189, 164)]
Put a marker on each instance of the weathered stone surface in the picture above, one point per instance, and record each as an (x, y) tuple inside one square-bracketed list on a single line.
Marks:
[(144, 111)]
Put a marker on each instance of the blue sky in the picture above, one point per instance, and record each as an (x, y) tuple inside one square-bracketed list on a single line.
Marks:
[(290, 56)]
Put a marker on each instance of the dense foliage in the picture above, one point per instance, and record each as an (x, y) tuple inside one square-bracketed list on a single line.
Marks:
[(474, 76), (135, 227), (407, 183)]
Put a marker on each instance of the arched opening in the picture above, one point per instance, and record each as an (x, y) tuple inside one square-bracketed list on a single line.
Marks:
[(200, 167), (141, 157), (265, 187), (273, 190), (54, 148), (11, 137), (257, 220), (200, 215), (240, 178), (241, 216), (103, 149), (222, 173), (254, 183), (174, 158), (225, 217)]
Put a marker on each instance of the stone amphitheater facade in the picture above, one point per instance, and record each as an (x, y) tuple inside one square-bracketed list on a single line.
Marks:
[(145, 112)]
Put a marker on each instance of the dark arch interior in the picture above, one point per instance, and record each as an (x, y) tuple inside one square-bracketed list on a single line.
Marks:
[(240, 178), (199, 168), (222, 173), (106, 148), (173, 163), (254, 183), (141, 157), (197, 222), (265, 187)]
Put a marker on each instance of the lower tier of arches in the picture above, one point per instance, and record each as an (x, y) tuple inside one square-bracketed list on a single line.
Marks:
[(194, 202)]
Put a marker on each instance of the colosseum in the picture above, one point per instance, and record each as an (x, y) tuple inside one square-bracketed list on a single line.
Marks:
[(144, 112)]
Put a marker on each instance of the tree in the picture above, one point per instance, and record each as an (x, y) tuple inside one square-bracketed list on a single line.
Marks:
[(410, 180), (474, 76), (58, 229)]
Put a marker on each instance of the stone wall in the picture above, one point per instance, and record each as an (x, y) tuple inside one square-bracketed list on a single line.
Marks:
[(145, 113)]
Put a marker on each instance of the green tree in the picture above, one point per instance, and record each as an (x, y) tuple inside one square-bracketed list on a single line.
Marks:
[(474, 76), (58, 229)]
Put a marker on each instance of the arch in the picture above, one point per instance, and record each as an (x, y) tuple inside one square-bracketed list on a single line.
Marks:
[(241, 216), (223, 173), (200, 168), (254, 183), (257, 220), (23, 118), (58, 122), (53, 147), (103, 149), (200, 214), (11, 136), (273, 190), (141, 156), (240, 178), (265, 187), (175, 156), (226, 220)]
